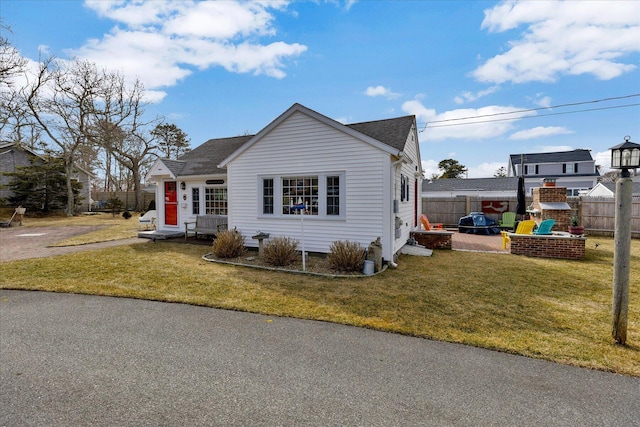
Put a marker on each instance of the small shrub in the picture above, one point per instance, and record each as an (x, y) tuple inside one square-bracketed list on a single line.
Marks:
[(228, 244), (114, 204), (346, 256), (126, 214), (280, 251)]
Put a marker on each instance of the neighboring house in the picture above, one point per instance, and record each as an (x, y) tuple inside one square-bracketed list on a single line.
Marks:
[(575, 170), (608, 189), (358, 182), (13, 156), (482, 187)]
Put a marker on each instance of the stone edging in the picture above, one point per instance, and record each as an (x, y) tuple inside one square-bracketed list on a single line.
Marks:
[(283, 270)]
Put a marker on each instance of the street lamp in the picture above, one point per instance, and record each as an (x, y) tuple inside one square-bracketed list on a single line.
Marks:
[(624, 156)]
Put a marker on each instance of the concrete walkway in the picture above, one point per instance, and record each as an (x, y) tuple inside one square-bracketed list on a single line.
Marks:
[(71, 360)]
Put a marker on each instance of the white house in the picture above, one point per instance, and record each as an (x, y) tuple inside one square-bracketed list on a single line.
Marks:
[(481, 187), (608, 189), (575, 170), (357, 182)]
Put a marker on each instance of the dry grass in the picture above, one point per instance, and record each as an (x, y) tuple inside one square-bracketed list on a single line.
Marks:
[(550, 309), (109, 227)]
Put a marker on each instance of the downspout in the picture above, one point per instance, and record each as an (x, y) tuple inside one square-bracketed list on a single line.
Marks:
[(393, 195)]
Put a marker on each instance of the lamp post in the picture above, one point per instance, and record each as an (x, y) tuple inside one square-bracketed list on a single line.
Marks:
[(624, 156)]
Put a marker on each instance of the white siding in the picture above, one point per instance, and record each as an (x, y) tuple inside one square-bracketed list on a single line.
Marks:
[(301, 145), (406, 208)]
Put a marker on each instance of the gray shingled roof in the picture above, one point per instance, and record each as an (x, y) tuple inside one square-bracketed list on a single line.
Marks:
[(579, 155), (393, 132), (611, 186), (475, 184), (204, 159)]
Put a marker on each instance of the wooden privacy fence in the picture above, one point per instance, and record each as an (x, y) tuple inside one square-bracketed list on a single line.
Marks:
[(128, 199), (597, 214)]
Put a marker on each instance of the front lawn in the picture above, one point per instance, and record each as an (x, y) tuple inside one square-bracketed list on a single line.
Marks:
[(550, 309)]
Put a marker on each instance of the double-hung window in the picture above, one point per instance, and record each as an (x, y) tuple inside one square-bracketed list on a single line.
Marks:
[(195, 201), (569, 168), (321, 195)]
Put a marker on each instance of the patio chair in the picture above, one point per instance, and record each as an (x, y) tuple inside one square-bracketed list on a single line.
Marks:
[(148, 220), (428, 226), (18, 211), (544, 227), (8, 223), (524, 227), (508, 221)]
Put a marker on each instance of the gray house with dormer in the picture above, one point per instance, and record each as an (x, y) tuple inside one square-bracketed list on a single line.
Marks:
[(575, 170)]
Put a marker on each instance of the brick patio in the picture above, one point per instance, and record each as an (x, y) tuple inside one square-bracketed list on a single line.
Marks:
[(477, 242)]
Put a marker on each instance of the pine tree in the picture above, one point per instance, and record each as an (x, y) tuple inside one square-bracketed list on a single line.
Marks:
[(41, 186)]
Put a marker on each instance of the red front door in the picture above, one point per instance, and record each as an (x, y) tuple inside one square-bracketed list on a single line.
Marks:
[(170, 203)]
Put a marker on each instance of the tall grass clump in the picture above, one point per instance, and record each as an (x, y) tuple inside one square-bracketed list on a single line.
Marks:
[(228, 244), (280, 251), (346, 256)]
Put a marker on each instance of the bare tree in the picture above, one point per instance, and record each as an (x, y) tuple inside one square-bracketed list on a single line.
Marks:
[(123, 132), (64, 99), (15, 125), (11, 62)]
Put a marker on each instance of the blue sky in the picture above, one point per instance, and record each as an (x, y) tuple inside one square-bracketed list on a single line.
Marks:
[(227, 68)]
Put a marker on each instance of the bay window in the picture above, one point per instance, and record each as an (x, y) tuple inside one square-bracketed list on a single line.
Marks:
[(321, 194)]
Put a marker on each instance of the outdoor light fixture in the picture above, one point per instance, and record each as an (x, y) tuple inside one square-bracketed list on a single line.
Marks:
[(625, 156), (183, 186)]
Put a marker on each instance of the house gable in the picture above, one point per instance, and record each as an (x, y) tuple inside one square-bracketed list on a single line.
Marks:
[(164, 168), (301, 145), (385, 132)]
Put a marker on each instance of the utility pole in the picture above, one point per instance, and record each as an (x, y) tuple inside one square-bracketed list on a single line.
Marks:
[(624, 156)]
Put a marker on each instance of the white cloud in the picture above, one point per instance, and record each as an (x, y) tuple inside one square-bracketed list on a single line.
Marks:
[(485, 170), (350, 3), (381, 91), (542, 101), (160, 42), (464, 123), (470, 96), (562, 37), (430, 167), (603, 159), (540, 132)]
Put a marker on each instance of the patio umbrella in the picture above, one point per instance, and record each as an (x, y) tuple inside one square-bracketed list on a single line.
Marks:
[(521, 208)]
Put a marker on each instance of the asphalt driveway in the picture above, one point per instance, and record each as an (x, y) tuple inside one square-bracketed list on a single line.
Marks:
[(70, 360), (33, 242)]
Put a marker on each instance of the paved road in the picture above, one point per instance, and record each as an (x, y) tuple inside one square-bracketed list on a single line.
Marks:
[(74, 360)]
